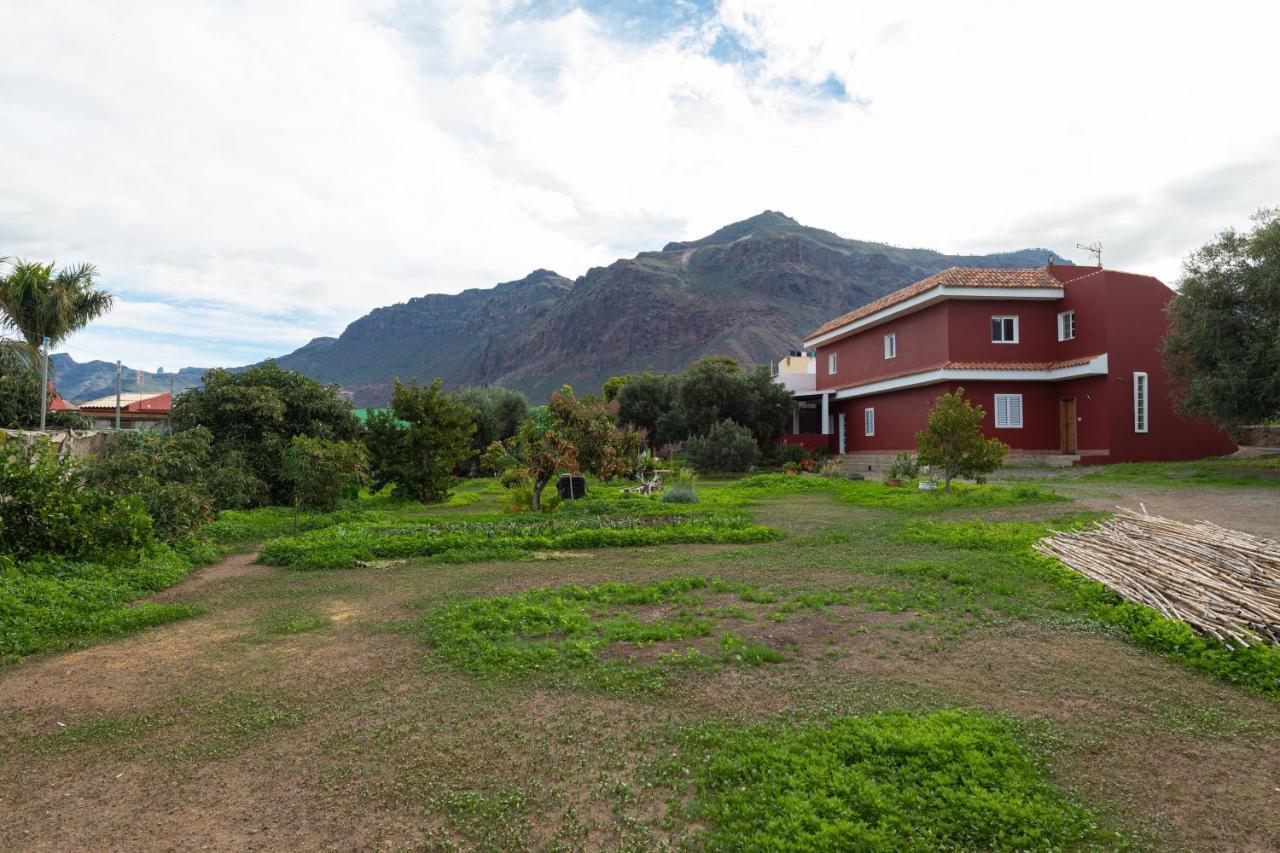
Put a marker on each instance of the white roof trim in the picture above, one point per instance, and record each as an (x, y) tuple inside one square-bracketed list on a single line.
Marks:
[(1096, 366), (929, 297)]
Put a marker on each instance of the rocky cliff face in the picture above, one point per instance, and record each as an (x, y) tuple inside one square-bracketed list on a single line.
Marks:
[(751, 290)]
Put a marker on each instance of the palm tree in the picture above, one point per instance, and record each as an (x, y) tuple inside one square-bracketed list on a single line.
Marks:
[(38, 303)]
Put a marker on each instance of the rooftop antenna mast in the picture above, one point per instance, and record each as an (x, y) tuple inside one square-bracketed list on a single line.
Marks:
[(1094, 249)]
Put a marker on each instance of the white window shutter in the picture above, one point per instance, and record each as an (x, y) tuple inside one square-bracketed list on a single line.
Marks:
[(1015, 410)]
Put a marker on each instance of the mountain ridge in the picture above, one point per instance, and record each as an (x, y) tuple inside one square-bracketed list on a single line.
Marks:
[(749, 290)]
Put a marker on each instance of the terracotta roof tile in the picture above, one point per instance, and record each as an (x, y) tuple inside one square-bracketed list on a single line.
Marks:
[(953, 277), (968, 365)]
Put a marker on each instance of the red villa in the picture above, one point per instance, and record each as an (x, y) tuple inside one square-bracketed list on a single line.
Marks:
[(1065, 361)]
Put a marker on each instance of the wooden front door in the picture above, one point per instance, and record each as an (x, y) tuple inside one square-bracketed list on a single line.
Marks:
[(1067, 424)]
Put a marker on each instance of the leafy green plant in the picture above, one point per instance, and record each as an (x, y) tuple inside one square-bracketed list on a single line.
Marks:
[(952, 441), (253, 414), (320, 472), (726, 446), (947, 780), (568, 434), (54, 602), (346, 546), (682, 489), (904, 467), (417, 444), (44, 512)]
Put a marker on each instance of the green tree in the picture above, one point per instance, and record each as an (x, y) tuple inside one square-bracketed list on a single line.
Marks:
[(643, 398), (322, 471), (712, 389), (1222, 348), (567, 435), (496, 412), (254, 414), (37, 303), (419, 442), (20, 395), (952, 441)]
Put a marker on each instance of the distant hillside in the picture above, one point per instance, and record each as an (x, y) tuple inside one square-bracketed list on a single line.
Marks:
[(750, 290), (79, 382)]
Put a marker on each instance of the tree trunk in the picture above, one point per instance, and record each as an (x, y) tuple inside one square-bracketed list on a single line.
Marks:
[(538, 486), (947, 482)]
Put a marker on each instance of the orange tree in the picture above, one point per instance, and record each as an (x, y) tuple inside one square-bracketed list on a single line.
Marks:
[(567, 435), (953, 442)]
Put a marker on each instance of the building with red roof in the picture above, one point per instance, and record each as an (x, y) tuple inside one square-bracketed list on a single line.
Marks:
[(138, 410), (1064, 360)]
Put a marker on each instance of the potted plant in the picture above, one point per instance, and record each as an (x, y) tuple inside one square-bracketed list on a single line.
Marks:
[(904, 467)]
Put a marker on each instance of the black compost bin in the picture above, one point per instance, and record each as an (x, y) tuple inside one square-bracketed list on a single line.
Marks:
[(571, 486)]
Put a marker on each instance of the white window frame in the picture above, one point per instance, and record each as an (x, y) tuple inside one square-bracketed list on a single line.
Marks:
[(1002, 318), (1067, 325), (891, 345), (1141, 402), (869, 421), (1005, 419), (832, 363)]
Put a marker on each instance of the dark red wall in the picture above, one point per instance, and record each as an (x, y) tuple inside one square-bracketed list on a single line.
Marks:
[(1120, 314), (901, 414), (970, 330), (921, 338), (1135, 328)]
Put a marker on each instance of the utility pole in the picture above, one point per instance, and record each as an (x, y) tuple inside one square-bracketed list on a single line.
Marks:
[(117, 395), (44, 381)]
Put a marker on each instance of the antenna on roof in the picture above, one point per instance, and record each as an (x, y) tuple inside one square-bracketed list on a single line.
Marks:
[(1094, 249)]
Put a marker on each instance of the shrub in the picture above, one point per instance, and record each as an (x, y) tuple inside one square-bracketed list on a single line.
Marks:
[(904, 467), (681, 490), (45, 510), (321, 471), (726, 447), (255, 413), (419, 442), (785, 452), (168, 473)]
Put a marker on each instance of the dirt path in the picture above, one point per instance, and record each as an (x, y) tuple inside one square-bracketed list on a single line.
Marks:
[(234, 566), (1255, 511)]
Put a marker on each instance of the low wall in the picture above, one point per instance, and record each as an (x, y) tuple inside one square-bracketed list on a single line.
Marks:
[(810, 441), (1259, 436), (70, 442)]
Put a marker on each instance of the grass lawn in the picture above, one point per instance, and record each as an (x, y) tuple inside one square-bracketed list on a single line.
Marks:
[(788, 664)]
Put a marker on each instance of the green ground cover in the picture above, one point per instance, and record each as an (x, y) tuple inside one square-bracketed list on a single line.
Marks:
[(946, 780), (57, 602)]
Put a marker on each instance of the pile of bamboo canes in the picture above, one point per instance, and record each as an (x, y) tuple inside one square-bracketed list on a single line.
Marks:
[(1221, 582)]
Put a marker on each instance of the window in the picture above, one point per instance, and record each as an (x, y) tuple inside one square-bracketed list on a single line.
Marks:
[(890, 346), (1008, 411), (1067, 326), (1004, 330), (1141, 396), (831, 362), (869, 421)]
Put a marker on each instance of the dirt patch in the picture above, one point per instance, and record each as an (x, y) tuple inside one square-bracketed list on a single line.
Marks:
[(234, 566), (1255, 511)]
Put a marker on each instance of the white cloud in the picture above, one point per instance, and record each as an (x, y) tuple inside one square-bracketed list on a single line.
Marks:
[(273, 170)]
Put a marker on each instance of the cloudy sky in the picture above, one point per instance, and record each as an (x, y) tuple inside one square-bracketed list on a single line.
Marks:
[(249, 174)]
